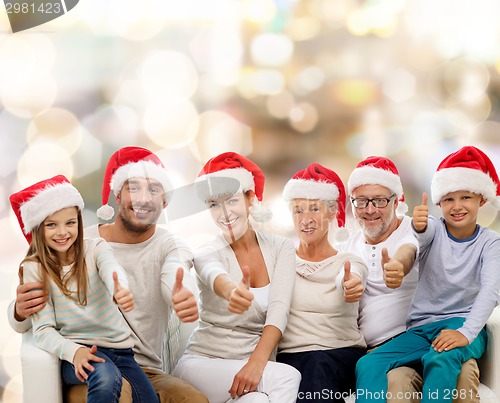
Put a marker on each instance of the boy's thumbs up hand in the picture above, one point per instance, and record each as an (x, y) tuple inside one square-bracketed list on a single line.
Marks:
[(421, 215), (122, 296)]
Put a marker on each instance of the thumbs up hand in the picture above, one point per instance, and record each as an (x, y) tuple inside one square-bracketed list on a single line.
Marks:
[(353, 288), (393, 270), (241, 297), (122, 296), (183, 300), (421, 215)]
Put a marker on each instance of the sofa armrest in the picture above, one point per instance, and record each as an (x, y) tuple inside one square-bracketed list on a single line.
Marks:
[(41, 373), (489, 364)]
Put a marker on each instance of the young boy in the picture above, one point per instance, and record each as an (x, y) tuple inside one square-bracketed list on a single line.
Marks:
[(458, 286)]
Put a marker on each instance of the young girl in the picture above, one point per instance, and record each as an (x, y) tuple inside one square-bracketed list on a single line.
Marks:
[(80, 323)]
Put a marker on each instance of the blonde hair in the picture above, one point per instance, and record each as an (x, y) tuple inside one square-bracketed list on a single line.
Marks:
[(51, 266)]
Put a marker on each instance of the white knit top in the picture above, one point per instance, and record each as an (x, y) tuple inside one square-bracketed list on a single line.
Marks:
[(222, 334), (320, 319)]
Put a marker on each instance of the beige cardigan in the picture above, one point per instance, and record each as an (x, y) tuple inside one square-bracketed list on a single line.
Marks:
[(320, 319), (222, 334)]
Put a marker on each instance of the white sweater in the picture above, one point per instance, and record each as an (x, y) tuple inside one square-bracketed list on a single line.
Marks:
[(222, 334), (320, 319)]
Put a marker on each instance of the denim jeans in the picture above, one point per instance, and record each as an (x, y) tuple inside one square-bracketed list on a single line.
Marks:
[(105, 382)]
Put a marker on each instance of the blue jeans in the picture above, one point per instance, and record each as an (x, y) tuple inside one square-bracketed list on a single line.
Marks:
[(441, 370), (105, 382)]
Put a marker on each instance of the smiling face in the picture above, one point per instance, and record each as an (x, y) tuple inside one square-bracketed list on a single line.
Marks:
[(60, 231), (376, 223), (460, 211), (230, 213), (140, 202), (311, 219)]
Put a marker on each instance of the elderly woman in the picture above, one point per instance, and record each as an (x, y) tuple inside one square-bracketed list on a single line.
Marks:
[(322, 339), (246, 279)]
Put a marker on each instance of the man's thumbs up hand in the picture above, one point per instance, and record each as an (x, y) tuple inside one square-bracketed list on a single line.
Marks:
[(183, 300), (393, 270)]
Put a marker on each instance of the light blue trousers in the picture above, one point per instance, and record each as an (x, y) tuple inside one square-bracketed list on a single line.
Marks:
[(441, 370)]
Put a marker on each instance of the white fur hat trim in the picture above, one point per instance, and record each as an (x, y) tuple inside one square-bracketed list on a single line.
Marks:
[(368, 175), (310, 189), (450, 180), (240, 174), (48, 201), (140, 169)]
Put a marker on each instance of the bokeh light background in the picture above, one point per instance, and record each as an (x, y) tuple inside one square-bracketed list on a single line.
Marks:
[(286, 82)]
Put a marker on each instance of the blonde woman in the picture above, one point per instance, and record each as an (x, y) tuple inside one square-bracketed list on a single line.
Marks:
[(246, 279)]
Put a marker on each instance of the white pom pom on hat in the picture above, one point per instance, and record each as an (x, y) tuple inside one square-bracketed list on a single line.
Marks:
[(105, 212)]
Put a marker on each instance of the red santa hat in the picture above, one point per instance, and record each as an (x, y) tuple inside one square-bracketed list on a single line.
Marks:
[(381, 171), (124, 164), (35, 203), (247, 173), (466, 169), (319, 183)]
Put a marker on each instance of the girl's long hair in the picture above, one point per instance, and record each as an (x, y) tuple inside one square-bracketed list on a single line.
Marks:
[(51, 267)]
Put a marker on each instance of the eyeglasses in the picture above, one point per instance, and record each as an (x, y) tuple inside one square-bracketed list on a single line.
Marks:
[(378, 202)]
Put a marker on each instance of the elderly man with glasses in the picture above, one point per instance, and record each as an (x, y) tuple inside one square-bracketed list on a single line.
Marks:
[(386, 242)]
